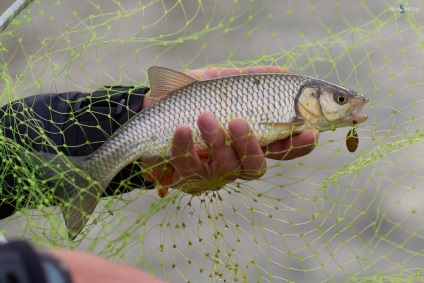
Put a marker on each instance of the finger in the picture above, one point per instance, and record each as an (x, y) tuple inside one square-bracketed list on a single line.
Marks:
[(252, 70), (247, 148), (293, 147), (264, 69), (216, 72), (205, 73), (224, 159), (147, 101), (185, 160)]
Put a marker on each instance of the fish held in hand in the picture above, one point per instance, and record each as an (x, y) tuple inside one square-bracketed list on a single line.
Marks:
[(275, 104)]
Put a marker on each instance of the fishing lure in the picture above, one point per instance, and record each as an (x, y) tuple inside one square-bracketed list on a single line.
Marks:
[(352, 139)]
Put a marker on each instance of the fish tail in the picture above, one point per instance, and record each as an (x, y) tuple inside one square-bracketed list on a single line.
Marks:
[(77, 212), (77, 192)]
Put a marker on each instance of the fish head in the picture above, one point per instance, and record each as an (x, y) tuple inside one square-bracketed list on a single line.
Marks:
[(325, 105)]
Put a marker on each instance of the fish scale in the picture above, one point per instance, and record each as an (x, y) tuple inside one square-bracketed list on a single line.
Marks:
[(150, 132), (275, 105)]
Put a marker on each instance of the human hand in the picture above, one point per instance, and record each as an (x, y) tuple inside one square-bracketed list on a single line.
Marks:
[(86, 268), (241, 158)]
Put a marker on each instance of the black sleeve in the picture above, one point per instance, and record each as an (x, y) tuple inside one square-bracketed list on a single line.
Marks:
[(75, 123), (20, 262)]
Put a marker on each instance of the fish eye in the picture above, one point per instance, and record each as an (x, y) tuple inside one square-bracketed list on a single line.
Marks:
[(340, 98)]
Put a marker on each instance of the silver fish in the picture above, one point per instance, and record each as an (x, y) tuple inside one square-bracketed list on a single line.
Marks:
[(275, 105)]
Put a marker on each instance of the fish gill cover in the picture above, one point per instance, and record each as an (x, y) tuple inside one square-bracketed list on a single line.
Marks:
[(330, 216)]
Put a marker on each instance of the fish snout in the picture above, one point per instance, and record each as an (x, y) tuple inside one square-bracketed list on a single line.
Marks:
[(359, 118), (356, 115)]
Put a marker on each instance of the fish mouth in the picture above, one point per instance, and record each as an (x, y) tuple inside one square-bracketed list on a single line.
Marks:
[(355, 114)]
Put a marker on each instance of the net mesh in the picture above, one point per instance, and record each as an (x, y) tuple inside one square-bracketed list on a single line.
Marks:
[(328, 216)]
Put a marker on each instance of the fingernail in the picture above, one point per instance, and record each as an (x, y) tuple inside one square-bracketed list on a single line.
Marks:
[(208, 124)]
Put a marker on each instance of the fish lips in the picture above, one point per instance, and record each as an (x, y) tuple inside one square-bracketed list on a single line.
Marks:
[(355, 114)]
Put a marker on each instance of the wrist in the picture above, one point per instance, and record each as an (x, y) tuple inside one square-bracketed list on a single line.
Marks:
[(20, 262), (55, 270), (85, 267)]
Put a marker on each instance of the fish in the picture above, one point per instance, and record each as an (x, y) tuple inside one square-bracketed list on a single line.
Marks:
[(276, 105)]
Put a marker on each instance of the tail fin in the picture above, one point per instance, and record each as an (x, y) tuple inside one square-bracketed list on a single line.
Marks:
[(79, 210), (75, 189)]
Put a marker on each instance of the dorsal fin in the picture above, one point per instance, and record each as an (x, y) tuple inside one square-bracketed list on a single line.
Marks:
[(163, 81)]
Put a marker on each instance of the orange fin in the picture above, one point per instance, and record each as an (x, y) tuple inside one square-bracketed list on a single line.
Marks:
[(164, 81), (162, 179), (162, 192), (203, 154)]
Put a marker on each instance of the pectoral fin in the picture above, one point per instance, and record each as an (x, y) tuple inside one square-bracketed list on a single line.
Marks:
[(289, 126)]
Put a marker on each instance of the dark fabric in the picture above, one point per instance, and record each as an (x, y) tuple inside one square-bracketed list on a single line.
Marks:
[(75, 123), (20, 263)]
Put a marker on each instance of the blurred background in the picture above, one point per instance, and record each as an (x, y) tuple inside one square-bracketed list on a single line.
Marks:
[(330, 216)]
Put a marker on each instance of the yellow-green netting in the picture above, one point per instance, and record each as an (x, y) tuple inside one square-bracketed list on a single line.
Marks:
[(330, 216)]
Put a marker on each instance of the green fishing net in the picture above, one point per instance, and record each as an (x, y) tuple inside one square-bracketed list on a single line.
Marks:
[(330, 216)]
